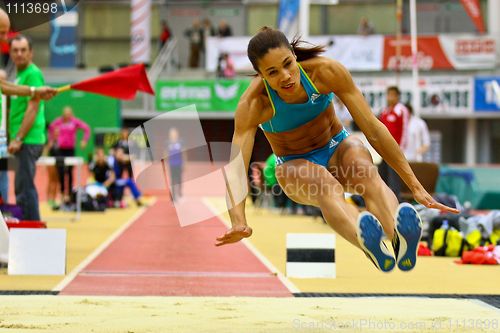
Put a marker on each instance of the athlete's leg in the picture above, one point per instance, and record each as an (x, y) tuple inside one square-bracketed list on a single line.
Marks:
[(311, 184), (352, 165)]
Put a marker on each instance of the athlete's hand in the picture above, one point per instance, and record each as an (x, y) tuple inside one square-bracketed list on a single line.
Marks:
[(421, 196), (233, 235)]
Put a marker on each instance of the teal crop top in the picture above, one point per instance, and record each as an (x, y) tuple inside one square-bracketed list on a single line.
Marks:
[(289, 116)]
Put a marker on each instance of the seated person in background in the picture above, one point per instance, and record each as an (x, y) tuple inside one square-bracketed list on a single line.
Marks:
[(123, 143), (117, 161), (225, 66), (103, 174)]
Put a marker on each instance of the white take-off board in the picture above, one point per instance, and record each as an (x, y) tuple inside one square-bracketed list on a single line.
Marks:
[(310, 256), (37, 252)]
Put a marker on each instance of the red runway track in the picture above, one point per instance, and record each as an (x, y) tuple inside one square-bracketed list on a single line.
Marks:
[(155, 256)]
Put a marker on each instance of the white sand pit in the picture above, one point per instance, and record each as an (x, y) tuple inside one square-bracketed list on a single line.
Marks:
[(236, 314)]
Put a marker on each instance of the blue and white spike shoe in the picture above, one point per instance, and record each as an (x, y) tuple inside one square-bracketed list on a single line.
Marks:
[(370, 235), (407, 236)]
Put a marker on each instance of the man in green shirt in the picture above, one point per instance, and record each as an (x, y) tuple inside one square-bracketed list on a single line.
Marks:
[(27, 128), (36, 93)]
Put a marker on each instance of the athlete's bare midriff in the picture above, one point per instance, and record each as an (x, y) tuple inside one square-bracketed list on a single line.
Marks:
[(307, 137), (303, 139)]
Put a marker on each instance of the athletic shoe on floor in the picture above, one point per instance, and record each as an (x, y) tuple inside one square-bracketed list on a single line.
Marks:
[(370, 235), (407, 236)]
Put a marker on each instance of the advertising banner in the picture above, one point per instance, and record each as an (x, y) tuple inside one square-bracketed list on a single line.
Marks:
[(438, 94), (235, 47), (442, 52), (377, 52), (63, 40), (207, 95), (473, 9), (140, 31), (469, 52), (288, 17), (363, 53), (487, 94), (357, 53)]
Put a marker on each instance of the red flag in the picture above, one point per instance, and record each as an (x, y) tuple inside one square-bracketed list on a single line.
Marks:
[(122, 83), (474, 11)]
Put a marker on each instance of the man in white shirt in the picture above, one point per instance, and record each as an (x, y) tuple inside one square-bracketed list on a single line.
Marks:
[(418, 140)]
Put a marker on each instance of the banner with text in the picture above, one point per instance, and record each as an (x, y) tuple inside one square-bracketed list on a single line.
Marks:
[(377, 52), (355, 52), (438, 94), (63, 40), (487, 94), (442, 52), (207, 95)]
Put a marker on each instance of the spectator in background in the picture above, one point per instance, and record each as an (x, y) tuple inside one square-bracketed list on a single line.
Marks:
[(395, 117), (176, 159), (419, 140), (365, 28), (224, 29), (225, 67), (52, 150), (116, 161), (102, 172), (123, 144), (68, 125), (166, 33), (208, 29), (195, 36)]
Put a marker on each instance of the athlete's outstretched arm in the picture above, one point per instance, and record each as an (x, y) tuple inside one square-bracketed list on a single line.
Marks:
[(376, 133), (243, 141)]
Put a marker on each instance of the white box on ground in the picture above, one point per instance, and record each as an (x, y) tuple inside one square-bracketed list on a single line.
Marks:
[(4, 240), (310, 256), (37, 252)]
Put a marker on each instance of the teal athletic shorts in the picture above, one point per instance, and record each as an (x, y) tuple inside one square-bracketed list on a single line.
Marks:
[(319, 156)]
